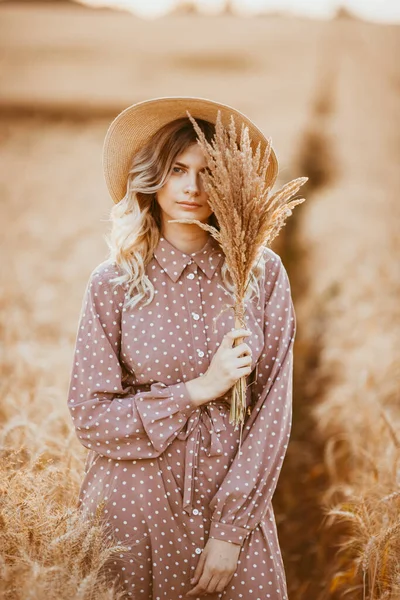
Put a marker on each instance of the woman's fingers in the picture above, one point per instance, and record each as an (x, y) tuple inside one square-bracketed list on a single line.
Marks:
[(243, 361), (217, 583), (214, 582), (244, 371), (198, 570), (201, 587), (229, 337), (223, 582), (242, 348)]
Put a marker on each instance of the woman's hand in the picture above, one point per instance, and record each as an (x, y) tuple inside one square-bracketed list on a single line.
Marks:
[(229, 363), (216, 567), (227, 366)]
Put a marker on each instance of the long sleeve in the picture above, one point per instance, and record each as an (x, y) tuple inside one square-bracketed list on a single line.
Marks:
[(108, 417), (247, 489)]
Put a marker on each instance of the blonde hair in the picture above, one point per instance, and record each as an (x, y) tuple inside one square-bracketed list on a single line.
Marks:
[(136, 219)]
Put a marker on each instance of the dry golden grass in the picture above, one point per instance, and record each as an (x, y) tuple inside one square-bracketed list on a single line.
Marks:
[(352, 307), (249, 216), (47, 548), (361, 419)]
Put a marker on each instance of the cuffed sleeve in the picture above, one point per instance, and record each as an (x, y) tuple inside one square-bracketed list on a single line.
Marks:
[(228, 532), (247, 489), (108, 416)]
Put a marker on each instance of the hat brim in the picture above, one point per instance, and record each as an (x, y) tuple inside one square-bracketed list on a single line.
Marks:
[(135, 125)]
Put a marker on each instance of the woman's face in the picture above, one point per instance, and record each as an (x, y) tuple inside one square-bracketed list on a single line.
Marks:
[(184, 185)]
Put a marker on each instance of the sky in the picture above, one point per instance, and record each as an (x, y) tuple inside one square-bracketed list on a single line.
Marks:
[(384, 11)]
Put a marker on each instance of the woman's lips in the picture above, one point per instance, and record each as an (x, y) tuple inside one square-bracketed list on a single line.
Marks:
[(189, 205)]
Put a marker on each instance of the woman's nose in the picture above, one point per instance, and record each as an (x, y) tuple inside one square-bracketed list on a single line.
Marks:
[(192, 185)]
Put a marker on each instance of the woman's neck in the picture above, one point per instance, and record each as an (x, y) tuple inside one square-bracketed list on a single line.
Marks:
[(186, 241)]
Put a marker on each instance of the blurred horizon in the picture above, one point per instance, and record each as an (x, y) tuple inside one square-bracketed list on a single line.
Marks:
[(376, 11)]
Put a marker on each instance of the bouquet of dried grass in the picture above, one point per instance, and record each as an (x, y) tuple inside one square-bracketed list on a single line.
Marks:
[(238, 194)]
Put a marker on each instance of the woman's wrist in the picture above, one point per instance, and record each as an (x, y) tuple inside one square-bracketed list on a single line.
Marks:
[(199, 390)]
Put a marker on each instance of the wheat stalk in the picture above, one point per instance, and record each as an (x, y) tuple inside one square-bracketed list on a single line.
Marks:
[(238, 194)]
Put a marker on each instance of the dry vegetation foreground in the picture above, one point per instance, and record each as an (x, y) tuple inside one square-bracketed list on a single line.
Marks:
[(328, 95)]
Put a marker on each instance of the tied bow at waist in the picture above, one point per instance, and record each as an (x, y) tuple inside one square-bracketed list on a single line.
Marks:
[(204, 423)]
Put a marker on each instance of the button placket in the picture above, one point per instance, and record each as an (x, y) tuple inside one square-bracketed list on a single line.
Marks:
[(194, 299)]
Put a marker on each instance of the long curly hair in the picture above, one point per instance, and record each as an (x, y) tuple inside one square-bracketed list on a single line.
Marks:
[(136, 218)]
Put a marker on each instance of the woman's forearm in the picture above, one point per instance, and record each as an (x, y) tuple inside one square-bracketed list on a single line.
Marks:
[(200, 390)]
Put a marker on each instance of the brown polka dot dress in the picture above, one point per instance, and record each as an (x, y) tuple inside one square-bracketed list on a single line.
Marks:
[(169, 474)]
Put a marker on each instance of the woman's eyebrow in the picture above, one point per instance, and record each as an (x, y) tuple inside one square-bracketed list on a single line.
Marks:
[(181, 164)]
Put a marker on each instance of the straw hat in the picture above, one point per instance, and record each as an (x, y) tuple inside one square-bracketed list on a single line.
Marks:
[(135, 125)]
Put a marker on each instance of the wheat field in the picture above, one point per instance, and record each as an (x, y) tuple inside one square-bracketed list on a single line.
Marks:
[(328, 95)]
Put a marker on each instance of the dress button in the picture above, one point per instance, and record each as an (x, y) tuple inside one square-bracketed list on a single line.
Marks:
[(200, 352), (198, 550), (195, 511), (190, 276), (195, 316)]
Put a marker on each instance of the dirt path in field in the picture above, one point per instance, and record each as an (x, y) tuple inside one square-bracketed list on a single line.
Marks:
[(339, 246)]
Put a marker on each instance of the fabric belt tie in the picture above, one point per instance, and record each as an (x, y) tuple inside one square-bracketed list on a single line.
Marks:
[(204, 423)]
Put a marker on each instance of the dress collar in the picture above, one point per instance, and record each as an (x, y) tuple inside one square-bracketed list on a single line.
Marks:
[(173, 261)]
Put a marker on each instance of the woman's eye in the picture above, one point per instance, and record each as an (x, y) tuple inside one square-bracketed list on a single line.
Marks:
[(178, 168)]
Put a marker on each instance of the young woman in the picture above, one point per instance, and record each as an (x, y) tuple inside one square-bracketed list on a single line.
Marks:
[(153, 367)]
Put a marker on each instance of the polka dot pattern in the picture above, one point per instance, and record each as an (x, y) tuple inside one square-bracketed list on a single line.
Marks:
[(168, 473)]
